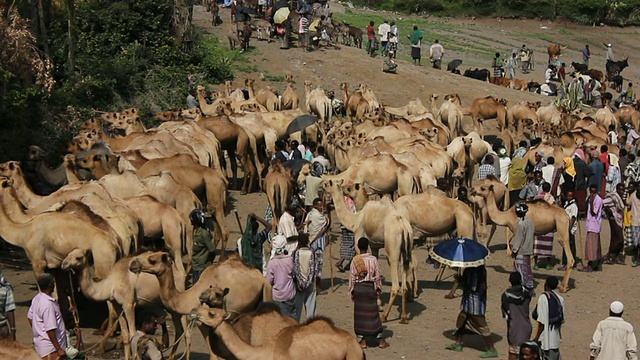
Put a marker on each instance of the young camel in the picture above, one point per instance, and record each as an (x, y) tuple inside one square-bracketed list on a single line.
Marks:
[(247, 285), (123, 291), (298, 342), (385, 227), (290, 98), (278, 185), (546, 218)]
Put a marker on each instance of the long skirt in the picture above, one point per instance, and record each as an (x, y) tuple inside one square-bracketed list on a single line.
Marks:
[(617, 243), (581, 200), (415, 52), (318, 247), (523, 266), (366, 319), (635, 236), (543, 245), (347, 245), (593, 250)]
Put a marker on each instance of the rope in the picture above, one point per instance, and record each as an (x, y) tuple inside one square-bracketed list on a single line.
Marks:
[(112, 328), (189, 329)]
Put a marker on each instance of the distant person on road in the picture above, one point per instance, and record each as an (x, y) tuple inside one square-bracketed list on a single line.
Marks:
[(586, 55), (609, 51), (436, 52), (416, 43), (496, 64), (394, 39), (383, 31), (371, 35), (510, 64)]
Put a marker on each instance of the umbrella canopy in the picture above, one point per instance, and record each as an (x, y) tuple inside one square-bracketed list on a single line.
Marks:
[(281, 15), (301, 122), (460, 252), (453, 64)]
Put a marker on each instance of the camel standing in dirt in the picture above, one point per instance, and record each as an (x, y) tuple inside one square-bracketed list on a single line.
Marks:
[(247, 287), (298, 342), (501, 193), (546, 218), (278, 185), (488, 108), (123, 291), (385, 227), (267, 98), (317, 102), (290, 98), (450, 113)]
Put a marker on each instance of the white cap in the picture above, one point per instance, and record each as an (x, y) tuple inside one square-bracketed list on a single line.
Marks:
[(616, 307), (279, 242), (608, 45)]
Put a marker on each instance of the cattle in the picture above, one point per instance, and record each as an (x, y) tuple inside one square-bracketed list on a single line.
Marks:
[(582, 68), (616, 82), (533, 87), (596, 74), (555, 50), (616, 67), (482, 74)]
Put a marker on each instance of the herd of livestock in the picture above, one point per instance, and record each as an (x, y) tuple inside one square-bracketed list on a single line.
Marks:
[(123, 186)]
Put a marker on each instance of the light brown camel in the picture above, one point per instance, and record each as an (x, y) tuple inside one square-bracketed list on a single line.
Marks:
[(123, 291), (290, 98), (519, 113), (450, 113), (247, 287), (488, 108), (413, 107), (278, 185), (49, 237), (356, 106), (13, 350), (205, 182), (267, 98), (501, 193), (546, 218), (55, 177), (385, 227), (317, 102), (70, 168), (298, 342), (257, 327), (627, 114)]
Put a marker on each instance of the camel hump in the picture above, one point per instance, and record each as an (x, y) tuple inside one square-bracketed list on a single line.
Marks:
[(266, 308), (319, 318)]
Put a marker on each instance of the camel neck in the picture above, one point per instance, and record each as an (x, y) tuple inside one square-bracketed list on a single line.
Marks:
[(237, 346), (16, 234), (90, 288), (27, 197), (347, 218), (502, 218), (181, 302)]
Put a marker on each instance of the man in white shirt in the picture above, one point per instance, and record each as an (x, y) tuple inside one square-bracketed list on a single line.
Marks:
[(317, 224), (383, 31), (505, 163), (322, 159), (614, 338), (287, 228), (546, 313)]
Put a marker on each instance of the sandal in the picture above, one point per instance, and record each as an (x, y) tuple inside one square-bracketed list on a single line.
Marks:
[(454, 347), (549, 267), (489, 354)]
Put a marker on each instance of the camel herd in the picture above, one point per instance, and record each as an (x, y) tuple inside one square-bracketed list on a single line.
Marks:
[(128, 187)]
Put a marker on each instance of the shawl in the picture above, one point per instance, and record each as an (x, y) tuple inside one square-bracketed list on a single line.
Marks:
[(360, 265), (415, 37), (569, 168)]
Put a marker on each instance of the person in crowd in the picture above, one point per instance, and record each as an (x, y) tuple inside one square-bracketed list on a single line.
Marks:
[(623, 162), (613, 174), (347, 240), (147, 320), (593, 249), (505, 164), (322, 159), (517, 173), (287, 227), (612, 135), (515, 309), (280, 273), (436, 52), (394, 38), (549, 73), (510, 65), (614, 204), (281, 153), (604, 158), (550, 315), (614, 338), (192, 101), (472, 310), (522, 245), (389, 65), (416, 45), (539, 163), (533, 188), (633, 204), (543, 244), (631, 96), (7, 310), (303, 31), (496, 64), (596, 171), (568, 175), (365, 287), (562, 72), (609, 52), (586, 55), (371, 35), (317, 225), (383, 31), (45, 319), (295, 152), (529, 351), (204, 250), (310, 151), (252, 241), (463, 195), (571, 207), (486, 168), (582, 181), (305, 271), (548, 170)]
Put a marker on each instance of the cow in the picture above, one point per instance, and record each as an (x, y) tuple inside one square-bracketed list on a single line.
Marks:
[(616, 82), (596, 74), (616, 67), (582, 68), (482, 74), (555, 50), (533, 87)]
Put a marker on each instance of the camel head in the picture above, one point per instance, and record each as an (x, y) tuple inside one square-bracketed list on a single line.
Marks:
[(214, 296), (328, 184), (6, 182), (454, 98), (430, 134), (458, 173), (93, 123), (130, 112), (109, 117), (76, 259), (151, 262), (354, 190), (35, 153), (91, 163), (289, 79), (482, 190), (434, 96), (468, 141), (10, 169), (169, 115), (200, 89), (189, 113), (211, 317)]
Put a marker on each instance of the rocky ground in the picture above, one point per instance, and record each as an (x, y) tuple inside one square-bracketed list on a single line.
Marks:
[(431, 316)]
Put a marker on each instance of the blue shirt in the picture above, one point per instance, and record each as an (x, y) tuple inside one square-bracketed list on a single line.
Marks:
[(596, 173)]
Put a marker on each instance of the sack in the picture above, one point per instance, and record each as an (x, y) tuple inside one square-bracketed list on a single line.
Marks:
[(556, 312)]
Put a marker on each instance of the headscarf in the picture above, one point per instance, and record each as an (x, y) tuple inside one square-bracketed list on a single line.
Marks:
[(579, 153), (519, 153), (279, 243), (502, 152), (614, 160), (569, 168)]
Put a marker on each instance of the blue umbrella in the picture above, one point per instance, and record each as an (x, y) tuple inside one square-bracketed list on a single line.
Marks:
[(460, 252)]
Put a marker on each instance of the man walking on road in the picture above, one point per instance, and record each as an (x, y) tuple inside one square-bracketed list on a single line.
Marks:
[(614, 338), (436, 52), (550, 315)]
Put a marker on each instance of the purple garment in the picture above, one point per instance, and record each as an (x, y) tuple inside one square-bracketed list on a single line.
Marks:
[(45, 315), (594, 223), (280, 275)]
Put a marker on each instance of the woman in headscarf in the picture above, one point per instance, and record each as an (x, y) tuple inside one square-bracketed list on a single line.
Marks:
[(569, 175), (517, 175), (280, 273), (613, 174)]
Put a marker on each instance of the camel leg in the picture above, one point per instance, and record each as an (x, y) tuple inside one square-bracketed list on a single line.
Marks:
[(128, 328), (205, 333), (491, 233), (564, 240), (180, 323), (394, 292), (233, 164), (112, 317)]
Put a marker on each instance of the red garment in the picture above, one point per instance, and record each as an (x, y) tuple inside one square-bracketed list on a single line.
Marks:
[(604, 157), (561, 72), (371, 33)]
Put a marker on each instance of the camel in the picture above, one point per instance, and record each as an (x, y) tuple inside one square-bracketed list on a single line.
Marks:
[(123, 291), (606, 118), (278, 185), (429, 153), (290, 97), (500, 191), (355, 104), (247, 287), (413, 107), (267, 98), (257, 327), (627, 114), (550, 114), (450, 113), (381, 173), (317, 102), (55, 177), (384, 225), (519, 113), (13, 350), (49, 237), (488, 108), (70, 168), (546, 218), (205, 182), (297, 342)]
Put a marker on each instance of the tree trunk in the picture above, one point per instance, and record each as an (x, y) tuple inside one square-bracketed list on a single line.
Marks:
[(71, 14), (43, 27)]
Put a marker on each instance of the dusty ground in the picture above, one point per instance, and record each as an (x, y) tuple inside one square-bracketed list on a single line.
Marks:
[(432, 317)]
